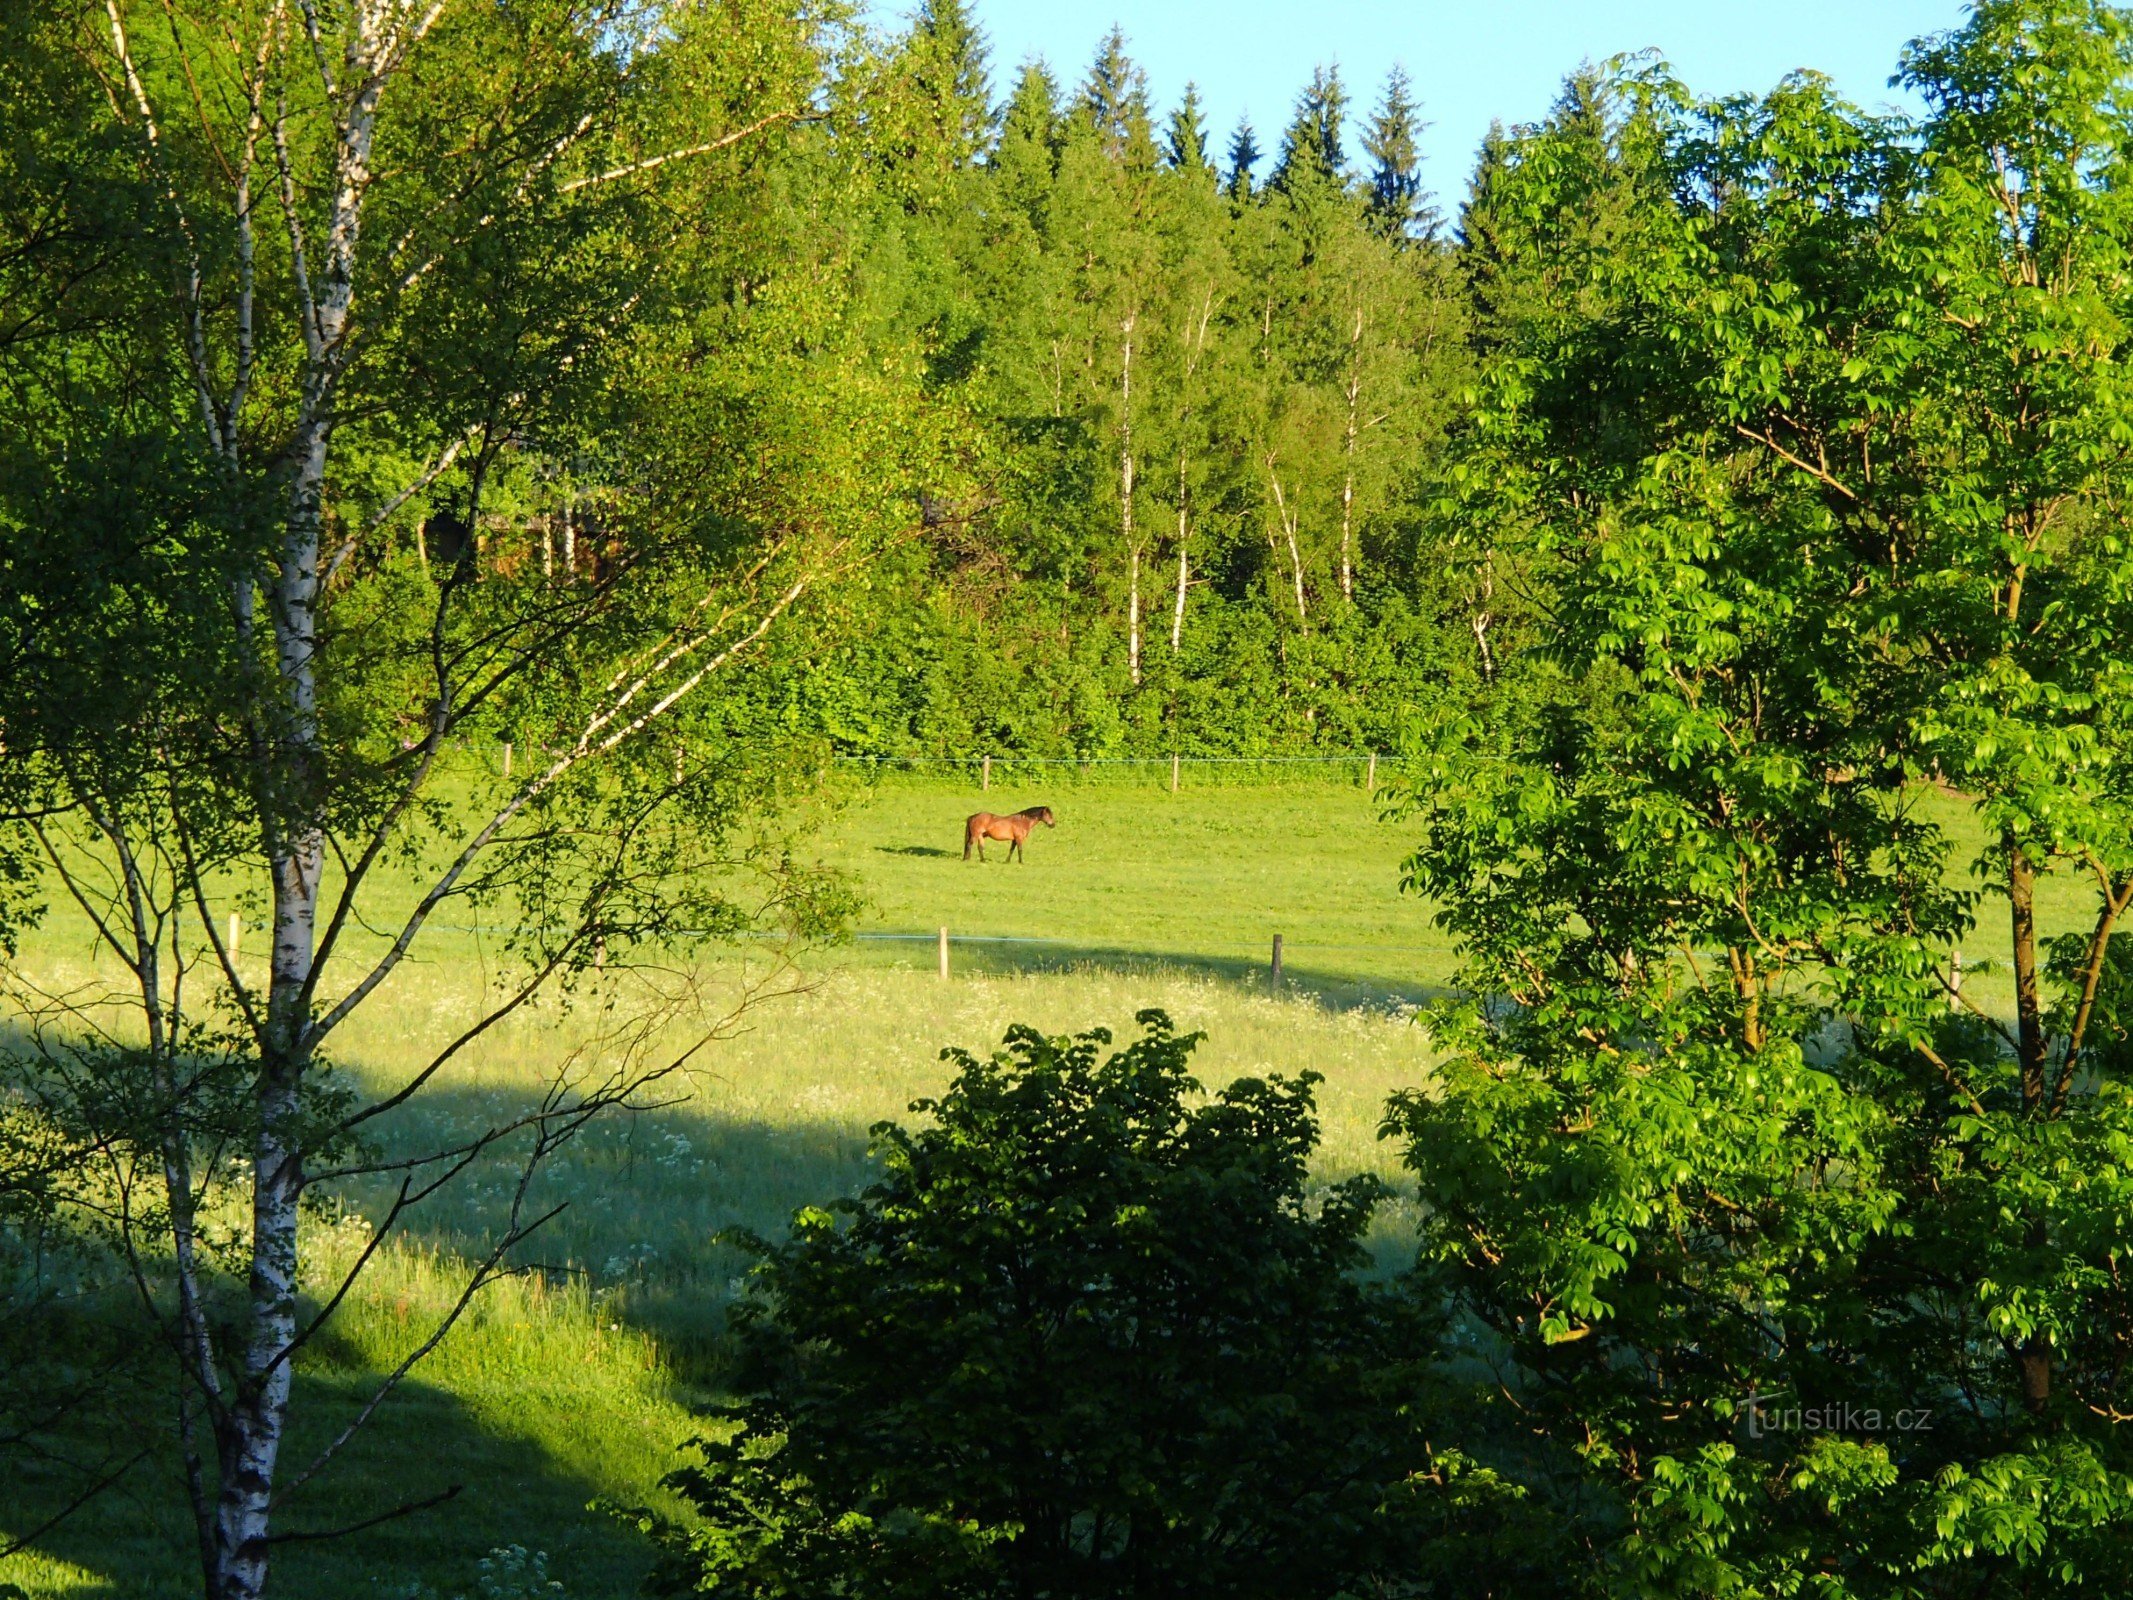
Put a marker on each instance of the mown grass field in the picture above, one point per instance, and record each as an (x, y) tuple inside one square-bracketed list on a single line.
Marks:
[(574, 1383)]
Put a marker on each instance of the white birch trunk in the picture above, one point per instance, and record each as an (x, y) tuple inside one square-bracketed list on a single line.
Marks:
[(1177, 609), (1287, 519), (1133, 616), (1125, 500), (1348, 441), (289, 757)]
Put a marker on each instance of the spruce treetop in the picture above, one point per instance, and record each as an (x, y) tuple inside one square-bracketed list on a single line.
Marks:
[(1244, 154), (1186, 142), (1314, 144), (1396, 202), (1114, 97), (953, 73)]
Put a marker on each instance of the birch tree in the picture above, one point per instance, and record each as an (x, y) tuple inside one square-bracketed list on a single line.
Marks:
[(389, 255)]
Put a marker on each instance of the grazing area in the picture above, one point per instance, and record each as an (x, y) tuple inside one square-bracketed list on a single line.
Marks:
[(576, 1381), (1201, 879)]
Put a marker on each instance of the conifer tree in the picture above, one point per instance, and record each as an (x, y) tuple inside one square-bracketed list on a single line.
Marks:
[(1115, 100), (1031, 114), (1396, 203), (1186, 142), (1244, 153), (1313, 143), (1516, 259), (953, 78), (1024, 159)]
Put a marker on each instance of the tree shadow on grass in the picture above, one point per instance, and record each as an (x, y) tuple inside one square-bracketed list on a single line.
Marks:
[(645, 1202), (1302, 978), (930, 852), (524, 1477), (137, 1543), (637, 1254)]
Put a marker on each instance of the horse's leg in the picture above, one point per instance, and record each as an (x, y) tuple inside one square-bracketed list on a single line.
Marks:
[(969, 834)]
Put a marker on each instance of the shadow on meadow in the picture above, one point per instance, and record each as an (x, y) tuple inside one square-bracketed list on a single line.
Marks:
[(532, 1408), (137, 1542), (644, 1199), (1308, 972), (575, 1380)]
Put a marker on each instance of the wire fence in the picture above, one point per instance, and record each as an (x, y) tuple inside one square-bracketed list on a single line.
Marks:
[(1364, 769), (1263, 965)]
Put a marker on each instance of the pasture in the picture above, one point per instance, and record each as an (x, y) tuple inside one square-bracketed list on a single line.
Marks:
[(574, 1382)]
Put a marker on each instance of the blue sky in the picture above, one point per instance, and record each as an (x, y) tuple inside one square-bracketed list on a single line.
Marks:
[(1470, 61)]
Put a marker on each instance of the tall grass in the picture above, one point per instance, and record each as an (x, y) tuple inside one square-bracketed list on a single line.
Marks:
[(574, 1381)]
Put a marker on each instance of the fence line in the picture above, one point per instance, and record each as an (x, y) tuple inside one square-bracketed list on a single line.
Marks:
[(1358, 765), (1289, 945), (1106, 761)]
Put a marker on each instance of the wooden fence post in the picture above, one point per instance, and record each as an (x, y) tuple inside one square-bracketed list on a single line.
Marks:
[(1370, 780), (1274, 981), (1173, 772), (236, 934), (507, 758), (985, 774), (944, 955)]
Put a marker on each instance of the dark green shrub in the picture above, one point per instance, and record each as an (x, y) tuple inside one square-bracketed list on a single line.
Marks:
[(1090, 1335)]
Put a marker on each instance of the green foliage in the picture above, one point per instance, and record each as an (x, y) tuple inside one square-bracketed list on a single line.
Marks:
[(1807, 431), (1183, 440), (1089, 1335), (1396, 201)]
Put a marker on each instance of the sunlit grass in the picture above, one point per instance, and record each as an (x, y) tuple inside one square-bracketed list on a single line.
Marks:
[(574, 1381)]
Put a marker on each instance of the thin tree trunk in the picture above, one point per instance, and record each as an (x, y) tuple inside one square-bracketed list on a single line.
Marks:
[(1133, 616), (1348, 443), (1481, 620), (1196, 349), (250, 1431), (1177, 610), (2116, 898), (2033, 1360), (290, 762), (1125, 498), (2029, 1009), (1288, 527)]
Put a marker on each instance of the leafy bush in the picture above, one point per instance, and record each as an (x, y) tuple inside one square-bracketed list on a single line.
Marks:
[(1090, 1335)]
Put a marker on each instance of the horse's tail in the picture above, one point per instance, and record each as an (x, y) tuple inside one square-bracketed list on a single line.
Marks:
[(970, 835)]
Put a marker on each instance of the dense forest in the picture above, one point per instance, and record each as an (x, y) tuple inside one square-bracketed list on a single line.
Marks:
[(464, 466), (1205, 387), (1175, 407)]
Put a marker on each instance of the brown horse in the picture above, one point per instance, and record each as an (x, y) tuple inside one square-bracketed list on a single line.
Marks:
[(1013, 829)]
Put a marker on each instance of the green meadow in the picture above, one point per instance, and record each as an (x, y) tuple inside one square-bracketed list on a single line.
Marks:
[(573, 1383), (570, 1386)]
